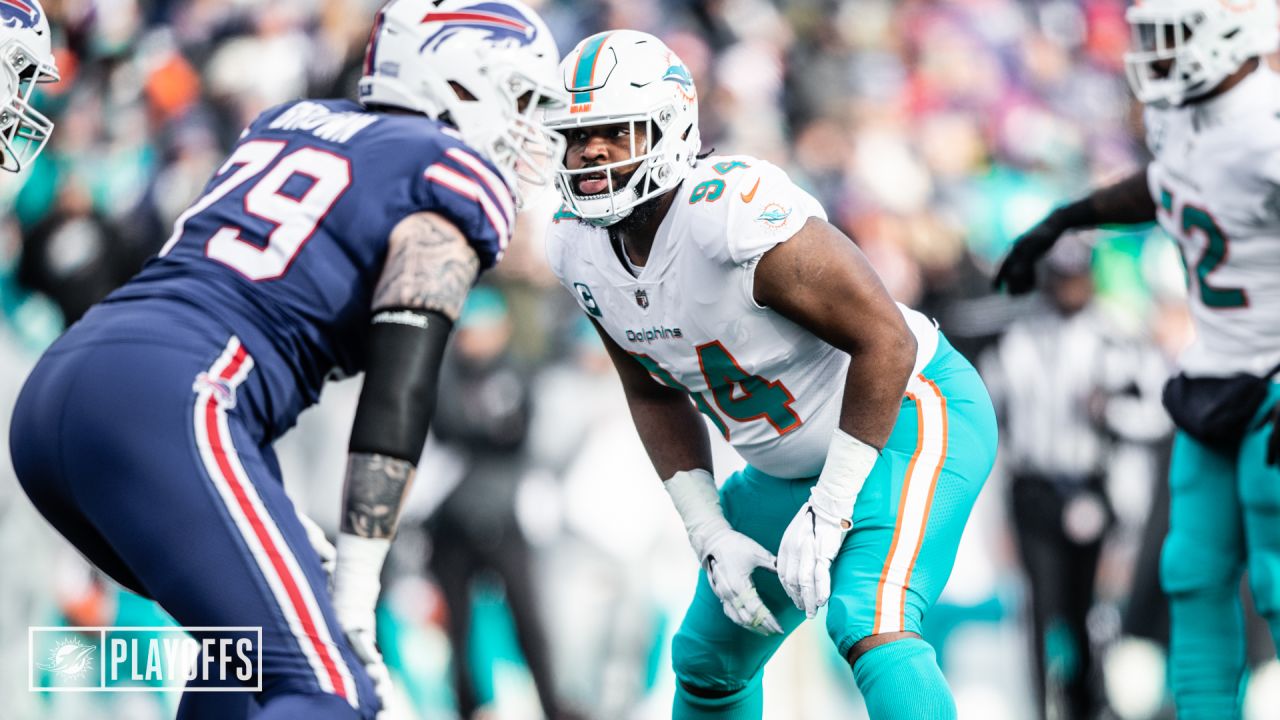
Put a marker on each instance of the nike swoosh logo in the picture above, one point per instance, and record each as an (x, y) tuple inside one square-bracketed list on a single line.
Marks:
[(749, 196)]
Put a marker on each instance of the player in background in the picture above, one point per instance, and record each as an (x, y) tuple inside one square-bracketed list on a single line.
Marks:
[(26, 61), (1213, 126), (337, 237), (718, 285)]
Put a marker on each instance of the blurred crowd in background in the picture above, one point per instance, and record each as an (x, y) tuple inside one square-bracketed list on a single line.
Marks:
[(932, 131)]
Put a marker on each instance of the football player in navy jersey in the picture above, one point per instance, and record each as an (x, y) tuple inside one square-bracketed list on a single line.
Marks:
[(337, 237)]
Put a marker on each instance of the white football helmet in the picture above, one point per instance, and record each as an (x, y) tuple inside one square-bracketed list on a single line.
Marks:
[(26, 60), (627, 76), (486, 66), (1200, 42)]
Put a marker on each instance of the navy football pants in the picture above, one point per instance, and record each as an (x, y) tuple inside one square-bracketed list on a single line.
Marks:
[(139, 437)]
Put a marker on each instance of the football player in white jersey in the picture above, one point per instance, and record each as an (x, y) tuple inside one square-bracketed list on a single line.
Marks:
[(1213, 126), (719, 286)]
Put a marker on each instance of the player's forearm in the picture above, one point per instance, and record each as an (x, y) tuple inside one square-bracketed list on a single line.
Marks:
[(425, 279), (1127, 202), (373, 494), (874, 386), (674, 435)]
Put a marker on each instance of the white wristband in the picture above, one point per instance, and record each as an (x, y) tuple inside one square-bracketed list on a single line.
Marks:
[(356, 576), (849, 462), (694, 494)]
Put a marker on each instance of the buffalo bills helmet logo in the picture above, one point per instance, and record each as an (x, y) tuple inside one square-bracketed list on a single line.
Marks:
[(19, 13), (503, 23)]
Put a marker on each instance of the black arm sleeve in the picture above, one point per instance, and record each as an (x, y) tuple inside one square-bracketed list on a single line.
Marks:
[(1126, 202), (401, 374)]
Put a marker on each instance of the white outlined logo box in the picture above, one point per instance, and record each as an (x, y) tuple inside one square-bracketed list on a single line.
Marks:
[(144, 659)]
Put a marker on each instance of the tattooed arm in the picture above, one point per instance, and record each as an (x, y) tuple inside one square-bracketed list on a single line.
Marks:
[(430, 267)]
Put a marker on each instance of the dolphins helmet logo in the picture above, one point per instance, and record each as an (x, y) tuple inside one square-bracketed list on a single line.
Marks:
[(502, 22), (679, 75), (19, 14)]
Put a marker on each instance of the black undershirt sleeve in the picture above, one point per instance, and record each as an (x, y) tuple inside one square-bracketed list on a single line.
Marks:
[(401, 374)]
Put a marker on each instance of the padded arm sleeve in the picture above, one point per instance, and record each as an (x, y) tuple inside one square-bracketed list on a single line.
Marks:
[(401, 374)]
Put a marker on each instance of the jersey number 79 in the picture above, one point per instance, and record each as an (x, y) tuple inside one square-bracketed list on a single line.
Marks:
[(295, 217)]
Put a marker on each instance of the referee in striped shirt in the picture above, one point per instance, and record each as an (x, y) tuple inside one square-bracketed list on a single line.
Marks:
[(1067, 386)]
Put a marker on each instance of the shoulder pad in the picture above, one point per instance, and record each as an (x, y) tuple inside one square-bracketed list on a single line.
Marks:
[(739, 207)]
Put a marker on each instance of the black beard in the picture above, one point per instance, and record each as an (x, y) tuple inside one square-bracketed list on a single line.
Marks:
[(641, 215)]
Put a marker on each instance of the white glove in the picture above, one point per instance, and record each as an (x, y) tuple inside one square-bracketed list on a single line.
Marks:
[(814, 537), (356, 586), (325, 549), (727, 555)]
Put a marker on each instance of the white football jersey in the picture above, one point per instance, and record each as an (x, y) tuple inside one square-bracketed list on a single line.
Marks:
[(771, 387), (1216, 183)]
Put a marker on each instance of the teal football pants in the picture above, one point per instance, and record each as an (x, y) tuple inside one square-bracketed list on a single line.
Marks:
[(1224, 514), (894, 563)]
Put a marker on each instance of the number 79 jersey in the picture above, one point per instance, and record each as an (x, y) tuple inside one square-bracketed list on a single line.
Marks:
[(1216, 183), (768, 385), (285, 246)]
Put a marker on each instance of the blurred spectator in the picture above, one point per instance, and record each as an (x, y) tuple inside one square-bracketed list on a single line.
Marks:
[(483, 411), (1066, 386), (75, 256)]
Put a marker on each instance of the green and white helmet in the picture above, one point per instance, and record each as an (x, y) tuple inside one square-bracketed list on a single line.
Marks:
[(1183, 49), (626, 76)]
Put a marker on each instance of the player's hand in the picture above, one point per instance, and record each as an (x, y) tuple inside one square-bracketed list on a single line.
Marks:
[(808, 548), (356, 587), (1273, 442), (362, 641), (1017, 273), (325, 549), (729, 557)]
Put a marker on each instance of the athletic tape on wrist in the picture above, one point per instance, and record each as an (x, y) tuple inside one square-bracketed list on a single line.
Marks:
[(849, 463), (694, 494), (356, 575)]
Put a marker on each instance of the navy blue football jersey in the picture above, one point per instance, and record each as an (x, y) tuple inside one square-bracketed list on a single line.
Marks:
[(288, 240)]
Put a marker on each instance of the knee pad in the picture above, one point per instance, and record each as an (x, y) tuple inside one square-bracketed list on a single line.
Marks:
[(849, 621), (706, 671), (1188, 565)]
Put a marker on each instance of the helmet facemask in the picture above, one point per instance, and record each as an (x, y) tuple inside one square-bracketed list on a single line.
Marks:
[(1165, 68), (24, 131), (1184, 50), (656, 170), (526, 152)]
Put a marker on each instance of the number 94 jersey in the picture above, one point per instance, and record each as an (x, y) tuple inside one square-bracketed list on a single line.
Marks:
[(288, 240), (1216, 183), (689, 317)]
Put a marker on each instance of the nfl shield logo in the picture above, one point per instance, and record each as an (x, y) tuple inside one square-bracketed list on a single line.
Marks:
[(642, 298)]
